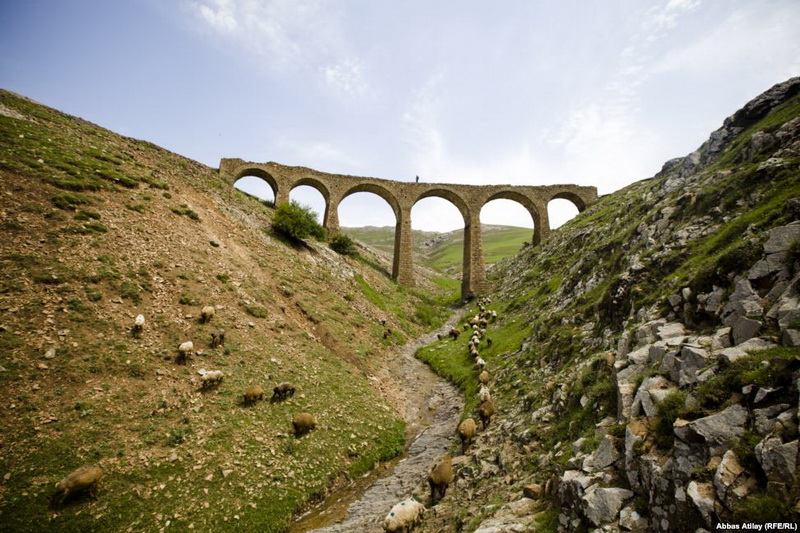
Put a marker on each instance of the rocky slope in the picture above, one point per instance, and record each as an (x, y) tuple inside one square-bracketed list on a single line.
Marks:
[(646, 362), (98, 228)]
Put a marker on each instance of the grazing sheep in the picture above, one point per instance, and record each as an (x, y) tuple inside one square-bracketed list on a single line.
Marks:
[(85, 478), (138, 326), (252, 394), (185, 350), (207, 313), (467, 432), (303, 423), (454, 333), (480, 363), (488, 342), (403, 516), (482, 323), (217, 338), (210, 378), (466, 326), (485, 412), (282, 391), (483, 377), (473, 351), (494, 316), (484, 394), (440, 477)]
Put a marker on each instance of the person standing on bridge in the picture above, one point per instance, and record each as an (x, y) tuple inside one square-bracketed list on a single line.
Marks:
[(417, 179)]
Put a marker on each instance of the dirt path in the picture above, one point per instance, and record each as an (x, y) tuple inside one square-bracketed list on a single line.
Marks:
[(432, 408)]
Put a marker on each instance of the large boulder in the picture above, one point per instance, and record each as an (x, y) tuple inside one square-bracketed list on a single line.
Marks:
[(717, 432), (603, 457), (779, 461), (602, 505)]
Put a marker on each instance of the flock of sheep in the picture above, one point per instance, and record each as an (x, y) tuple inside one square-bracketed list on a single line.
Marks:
[(402, 516), (408, 512), (86, 479)]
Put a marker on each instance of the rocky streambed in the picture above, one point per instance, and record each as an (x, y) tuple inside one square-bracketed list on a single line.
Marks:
[(431, 408)]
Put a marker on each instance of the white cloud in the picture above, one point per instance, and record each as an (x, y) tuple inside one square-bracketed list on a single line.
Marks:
[(219, 15), (772, 40), (347, 77), (280, 35)]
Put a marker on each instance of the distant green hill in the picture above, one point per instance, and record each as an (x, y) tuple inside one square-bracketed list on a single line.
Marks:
[(444, 251)]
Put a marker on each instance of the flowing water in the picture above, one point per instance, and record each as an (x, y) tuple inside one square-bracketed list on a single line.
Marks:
[(432, 408)]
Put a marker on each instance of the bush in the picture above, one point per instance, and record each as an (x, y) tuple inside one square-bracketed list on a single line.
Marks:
[(342, 244), (297, 221)]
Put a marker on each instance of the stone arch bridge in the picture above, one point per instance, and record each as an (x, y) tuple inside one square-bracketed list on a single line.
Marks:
[(401, 197)]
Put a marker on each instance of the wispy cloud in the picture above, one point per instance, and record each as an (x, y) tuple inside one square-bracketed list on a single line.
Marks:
[(604, 129), (347, 77), (219, 15), (771, 41), (288, 36), (423, 134)]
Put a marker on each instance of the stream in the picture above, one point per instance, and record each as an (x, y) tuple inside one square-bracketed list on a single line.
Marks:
[(431, 408)]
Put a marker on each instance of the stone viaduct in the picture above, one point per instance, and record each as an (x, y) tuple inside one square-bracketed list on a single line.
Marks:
[(401, 197)]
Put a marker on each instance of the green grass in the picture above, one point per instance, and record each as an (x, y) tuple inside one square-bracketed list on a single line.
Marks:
[(498, 242)]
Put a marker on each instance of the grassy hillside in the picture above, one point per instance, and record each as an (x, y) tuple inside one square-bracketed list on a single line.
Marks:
[(444, 252), (99, 228)]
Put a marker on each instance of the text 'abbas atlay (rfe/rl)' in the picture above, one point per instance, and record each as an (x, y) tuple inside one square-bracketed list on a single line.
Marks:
[(757, 526)]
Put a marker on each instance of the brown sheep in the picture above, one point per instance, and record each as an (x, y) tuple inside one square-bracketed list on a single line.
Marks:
[(282, 391), (440, 477), (303, 423), (217, 338), (485, 412), (483, 378), (454, 333), (82, 479), (252, 394), (467, 432)]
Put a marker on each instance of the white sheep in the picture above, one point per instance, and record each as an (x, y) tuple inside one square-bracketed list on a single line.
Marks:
[(484, 394), (480, 362), (185, 350), (210, 378), (207, 313), (403, 516), (138, 326)]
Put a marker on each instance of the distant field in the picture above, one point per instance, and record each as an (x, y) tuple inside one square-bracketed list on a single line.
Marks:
[(444, 251)]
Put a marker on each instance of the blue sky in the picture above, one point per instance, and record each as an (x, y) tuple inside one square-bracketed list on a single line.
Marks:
[(594, 92)]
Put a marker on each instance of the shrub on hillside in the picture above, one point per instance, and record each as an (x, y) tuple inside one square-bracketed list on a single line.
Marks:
[(342, 244), (297, 221)]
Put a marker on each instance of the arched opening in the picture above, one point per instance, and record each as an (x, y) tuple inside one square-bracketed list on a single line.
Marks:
[(256, 186), (437, 227), (560, 211), (506, 226), (309, 196), (368, 218)]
